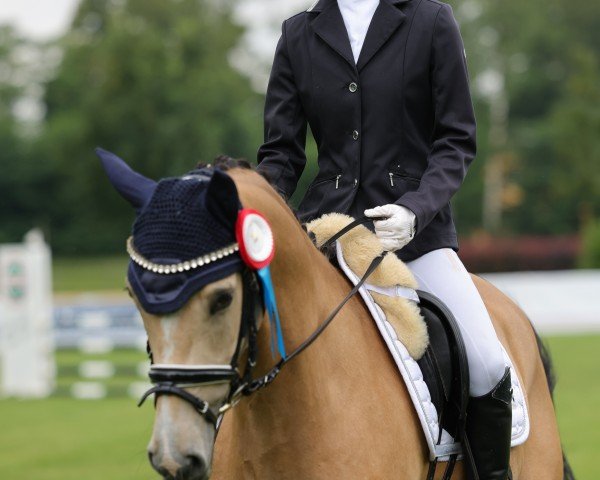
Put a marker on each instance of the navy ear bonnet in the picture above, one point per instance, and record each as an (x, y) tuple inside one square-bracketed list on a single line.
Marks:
[(183, 236)]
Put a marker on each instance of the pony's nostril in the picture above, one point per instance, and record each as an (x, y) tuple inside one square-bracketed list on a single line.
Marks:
[(156, 467), (194, 469), (160, 469)]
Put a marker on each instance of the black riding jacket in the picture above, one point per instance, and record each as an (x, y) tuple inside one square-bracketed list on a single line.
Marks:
[(396, 127)]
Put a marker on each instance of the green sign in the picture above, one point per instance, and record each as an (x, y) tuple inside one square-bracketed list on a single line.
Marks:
[(15, 269)]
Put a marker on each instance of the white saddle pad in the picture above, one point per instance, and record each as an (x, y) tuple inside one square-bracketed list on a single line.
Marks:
[(413, 377)]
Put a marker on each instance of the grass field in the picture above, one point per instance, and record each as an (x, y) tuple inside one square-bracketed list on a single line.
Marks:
[(577, 400), (74, 439), (89, 273), (92, 440)]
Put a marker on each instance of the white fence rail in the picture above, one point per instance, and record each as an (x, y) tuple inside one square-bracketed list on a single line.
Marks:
[(561, 302)]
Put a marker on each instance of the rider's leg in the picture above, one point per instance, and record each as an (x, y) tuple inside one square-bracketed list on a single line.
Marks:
[(489, 416), (441, 273)]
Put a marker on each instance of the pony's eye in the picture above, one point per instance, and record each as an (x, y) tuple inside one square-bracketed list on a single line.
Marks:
[(220, 302)]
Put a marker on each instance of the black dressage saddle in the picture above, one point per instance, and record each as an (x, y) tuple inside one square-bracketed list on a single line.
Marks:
[(444, 365)]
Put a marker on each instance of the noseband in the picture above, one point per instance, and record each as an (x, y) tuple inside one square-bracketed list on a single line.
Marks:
[(174, 379)]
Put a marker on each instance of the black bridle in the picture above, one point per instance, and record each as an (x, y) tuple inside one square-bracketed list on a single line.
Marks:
[(174, 379)]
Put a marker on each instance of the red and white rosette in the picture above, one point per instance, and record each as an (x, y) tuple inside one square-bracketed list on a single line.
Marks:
[(255, 239)]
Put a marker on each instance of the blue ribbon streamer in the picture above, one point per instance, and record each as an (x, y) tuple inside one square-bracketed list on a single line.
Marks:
[(264, 274)]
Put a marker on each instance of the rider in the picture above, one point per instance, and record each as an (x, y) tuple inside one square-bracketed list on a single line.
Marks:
[(384, 86)]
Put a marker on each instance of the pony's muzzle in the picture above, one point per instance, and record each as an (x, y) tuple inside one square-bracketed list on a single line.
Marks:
[(189, 467)]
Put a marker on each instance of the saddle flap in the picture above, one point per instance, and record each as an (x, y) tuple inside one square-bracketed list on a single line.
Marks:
[(444, 365)]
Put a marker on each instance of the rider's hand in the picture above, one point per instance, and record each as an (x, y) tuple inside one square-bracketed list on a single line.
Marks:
[(397, 229)]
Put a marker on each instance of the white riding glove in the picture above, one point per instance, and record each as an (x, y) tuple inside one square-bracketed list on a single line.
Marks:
[(397, 229)]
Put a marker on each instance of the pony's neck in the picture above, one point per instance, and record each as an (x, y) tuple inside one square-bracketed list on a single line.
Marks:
[(306, 285), (326, 391)]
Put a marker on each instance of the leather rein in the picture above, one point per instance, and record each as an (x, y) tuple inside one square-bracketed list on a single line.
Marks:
[(174, 379)]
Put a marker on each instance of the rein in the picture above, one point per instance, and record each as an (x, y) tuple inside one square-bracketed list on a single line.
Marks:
[(174, 379)]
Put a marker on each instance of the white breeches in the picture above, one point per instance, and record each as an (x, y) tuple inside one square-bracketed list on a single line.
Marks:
[(441, 273)]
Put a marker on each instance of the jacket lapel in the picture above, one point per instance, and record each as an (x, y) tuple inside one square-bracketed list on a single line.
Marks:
[(329, 25), (386, 20)]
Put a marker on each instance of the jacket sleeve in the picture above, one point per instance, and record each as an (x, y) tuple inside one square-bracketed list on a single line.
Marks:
[(453, 144), (282, 156)]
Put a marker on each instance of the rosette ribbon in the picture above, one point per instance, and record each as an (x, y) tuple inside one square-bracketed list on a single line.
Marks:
[(257, 249)]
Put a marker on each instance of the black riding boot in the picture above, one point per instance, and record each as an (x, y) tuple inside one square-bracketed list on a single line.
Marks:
[(488, 428)]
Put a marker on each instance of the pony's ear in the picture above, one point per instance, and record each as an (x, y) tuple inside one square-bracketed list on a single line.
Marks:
[(132, 186), (222, 198)]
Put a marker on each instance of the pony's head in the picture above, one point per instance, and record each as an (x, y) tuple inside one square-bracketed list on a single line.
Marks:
[(199, 302)]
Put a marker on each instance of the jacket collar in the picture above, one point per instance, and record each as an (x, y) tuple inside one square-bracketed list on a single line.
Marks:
[(320, 5), (329, 25)]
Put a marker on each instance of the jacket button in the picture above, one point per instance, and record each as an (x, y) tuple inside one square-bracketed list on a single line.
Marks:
[(355, 134), (353, 87)]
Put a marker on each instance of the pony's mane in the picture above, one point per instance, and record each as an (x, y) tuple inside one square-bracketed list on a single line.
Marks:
[(225, 163)]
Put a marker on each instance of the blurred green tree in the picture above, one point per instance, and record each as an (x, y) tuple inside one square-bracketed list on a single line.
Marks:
[(548, 52), (22, 179), (151, 81), (590, 251)]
